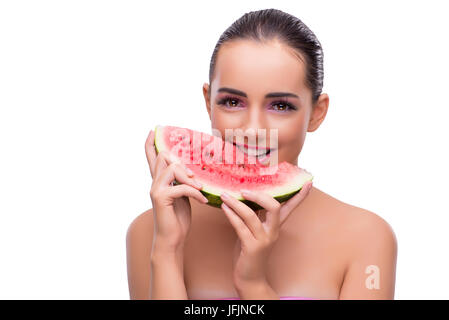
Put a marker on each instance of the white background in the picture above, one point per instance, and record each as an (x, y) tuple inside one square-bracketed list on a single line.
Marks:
[(83, 82)]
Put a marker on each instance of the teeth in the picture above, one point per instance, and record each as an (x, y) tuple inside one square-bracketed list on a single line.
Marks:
[(253, 152)]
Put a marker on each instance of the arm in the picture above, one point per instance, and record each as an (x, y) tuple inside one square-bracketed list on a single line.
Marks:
[(155, 240), (167, 276), (151, 275), (371, 271)]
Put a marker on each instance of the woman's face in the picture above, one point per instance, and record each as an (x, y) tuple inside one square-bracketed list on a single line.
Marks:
[(246, 72)]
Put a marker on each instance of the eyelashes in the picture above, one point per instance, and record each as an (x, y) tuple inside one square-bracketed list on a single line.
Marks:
[(288, 107)]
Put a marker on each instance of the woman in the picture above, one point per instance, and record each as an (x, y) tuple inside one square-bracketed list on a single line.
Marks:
[(317, 247)]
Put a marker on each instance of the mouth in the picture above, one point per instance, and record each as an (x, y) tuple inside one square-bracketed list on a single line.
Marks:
[(260, 153)]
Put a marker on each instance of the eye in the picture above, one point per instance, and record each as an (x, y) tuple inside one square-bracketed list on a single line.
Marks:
[(233, 100), (283, 106)]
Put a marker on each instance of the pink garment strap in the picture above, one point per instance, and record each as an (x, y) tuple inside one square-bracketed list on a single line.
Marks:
[(281, 298)]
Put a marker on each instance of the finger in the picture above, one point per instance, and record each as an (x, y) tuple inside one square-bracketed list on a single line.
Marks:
[(246, 214), (165, 158), (176, 171), (239, 226), (188, 191), (265, 201), (150, 151), (293, 202), (162, 162)]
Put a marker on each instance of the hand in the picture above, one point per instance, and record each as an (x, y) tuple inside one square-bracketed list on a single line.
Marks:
[(171, 206), (256, 238)]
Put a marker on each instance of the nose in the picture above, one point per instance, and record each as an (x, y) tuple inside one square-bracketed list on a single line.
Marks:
[(254, 125)]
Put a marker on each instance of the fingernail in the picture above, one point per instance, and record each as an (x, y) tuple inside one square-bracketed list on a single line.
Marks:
[(199, 185), (309, 186), (225, 196), (189, 172), (205, 200), (246, 192)]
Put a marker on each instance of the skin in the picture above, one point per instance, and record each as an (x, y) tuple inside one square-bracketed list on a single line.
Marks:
[(320, 248)]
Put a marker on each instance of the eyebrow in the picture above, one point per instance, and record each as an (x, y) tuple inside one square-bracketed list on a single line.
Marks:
[(268, 95)]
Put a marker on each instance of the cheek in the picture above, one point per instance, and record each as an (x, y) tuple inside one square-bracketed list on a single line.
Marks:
[(222, 120), (291, 130), (291, 138)]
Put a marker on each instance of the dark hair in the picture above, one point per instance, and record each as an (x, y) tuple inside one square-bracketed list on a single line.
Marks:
[(271, 24)]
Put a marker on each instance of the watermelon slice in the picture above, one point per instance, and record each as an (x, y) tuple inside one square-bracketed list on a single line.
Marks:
[(221, 167)]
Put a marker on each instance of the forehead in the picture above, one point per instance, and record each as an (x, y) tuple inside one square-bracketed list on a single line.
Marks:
[(257, 68)]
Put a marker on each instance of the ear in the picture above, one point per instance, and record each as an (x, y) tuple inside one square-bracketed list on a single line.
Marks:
[(319, 111), (206, 89)]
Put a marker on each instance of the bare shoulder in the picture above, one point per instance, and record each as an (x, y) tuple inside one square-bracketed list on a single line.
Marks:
[(365, 227), (368, 247), (372, 237), (141, 223), (139, 237), (357, 223)]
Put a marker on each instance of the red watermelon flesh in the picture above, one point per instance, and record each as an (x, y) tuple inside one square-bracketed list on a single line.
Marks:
[(221, 167)]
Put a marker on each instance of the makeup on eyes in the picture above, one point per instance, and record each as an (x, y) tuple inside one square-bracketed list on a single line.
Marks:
[(288, 105)]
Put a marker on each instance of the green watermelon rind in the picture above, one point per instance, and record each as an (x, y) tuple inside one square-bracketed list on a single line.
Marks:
[(214, 198)]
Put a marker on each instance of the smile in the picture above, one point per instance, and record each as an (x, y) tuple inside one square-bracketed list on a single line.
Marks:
[(254, 151)]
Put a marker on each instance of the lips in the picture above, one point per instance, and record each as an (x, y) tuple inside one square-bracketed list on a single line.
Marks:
[(250, 147), (253, 151)]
